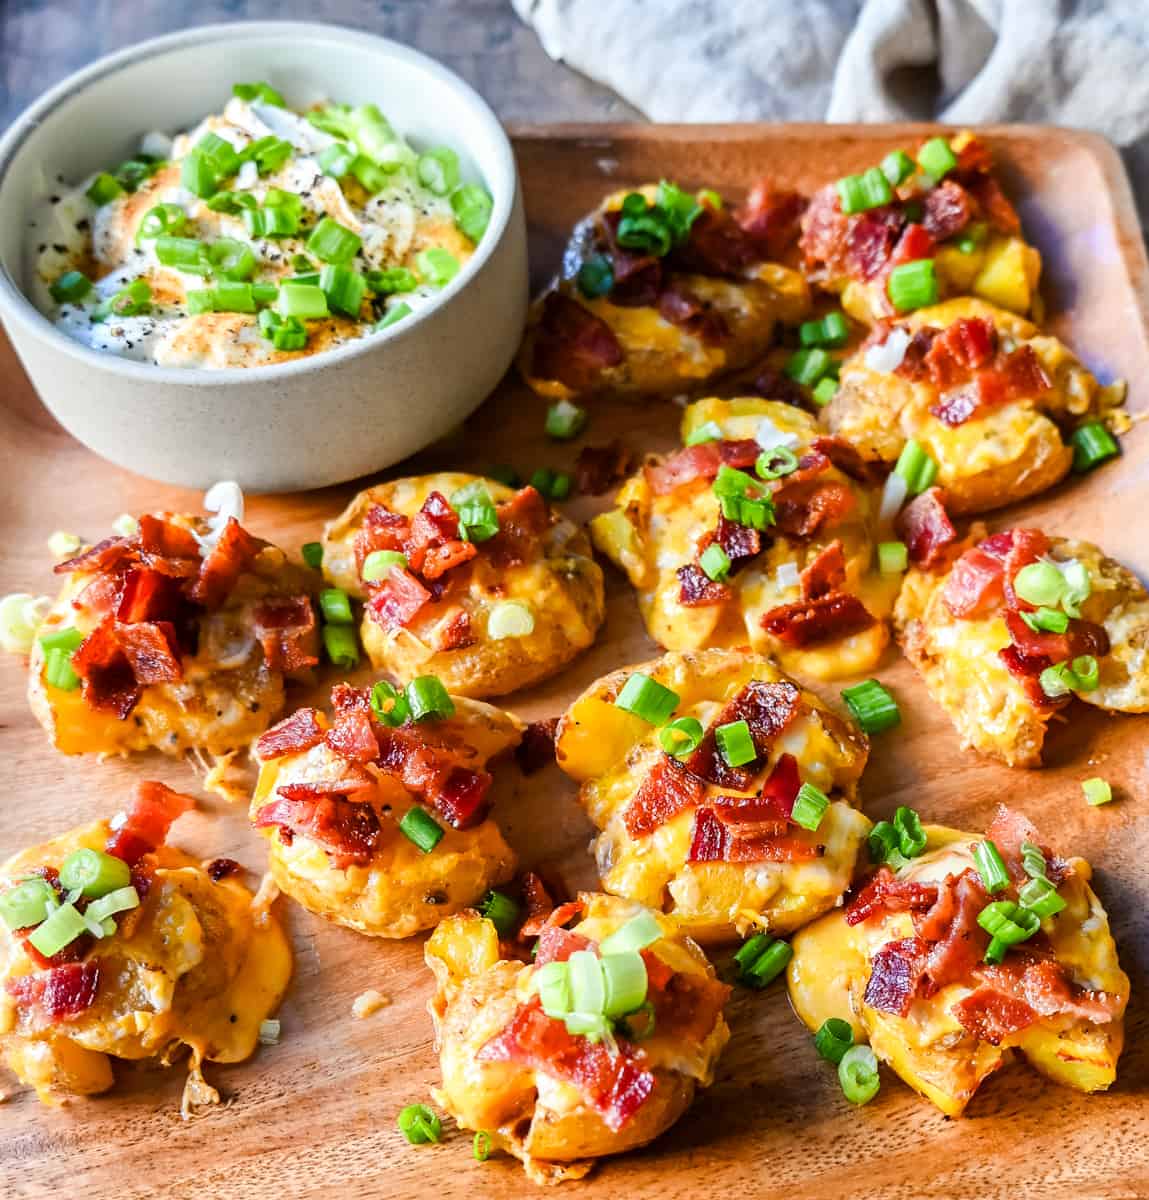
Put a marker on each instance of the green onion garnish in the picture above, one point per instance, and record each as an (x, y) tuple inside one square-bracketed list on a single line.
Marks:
[(1046, 620), (58, 672), (639, 932), (472, 206), (916, 467), (344, 289), (709, 431), (682, 737), (552, 981), (1040, 583), (913, 285), (121, 900), (428, 699), (647, 698), (510, 619), (1007, 924), (501, 911), (71, 287), (335, 160), (833, 1039), (858, 1074), (271, 221), (1097, 791), (268, 153), (336, 606), (231, 259), (824, 391), (715, 562), (232, 202), (911, 836), (476, 511), (333, 243), (189, 255), (263, 92), (438, 170), (736, 743), (1040, 896), (68, 639), (27, 904), (389, 704), (808, 366), (766, 965), (377, 565), (1092, 445), (832, 330), (93, 872), (624, 982), (104, 189), (991, 867), (1033, 860), (421, 829), (874, 709), (437, 266), (211, 160), (747, 954), (897, 167), (884, 843), (775, 463), (59, 928), (304, 301), (858, 193), (419, 1125), (936, 158), (391, 281), (565, 421), (285, 333), (893, 558), (341, 645), (162, 219), (810, 807), (742, 498), (481, 1146), (313, 554), (595, 277), (394, 314)]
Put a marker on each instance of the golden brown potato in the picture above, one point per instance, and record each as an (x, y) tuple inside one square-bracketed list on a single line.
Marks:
[(195, 963), (1011, 444), (181, 639), (826, 513), (495, 615), (553, 1099), (670, 837), (983, 664), (334, 802), (675, 323), (912, 979)]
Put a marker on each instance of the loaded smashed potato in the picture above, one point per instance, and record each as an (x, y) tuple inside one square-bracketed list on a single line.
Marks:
[(378, 820), (178, 637), (466, 579), (662, 290), (761, 530), (1018, 626), (736, 814), (949, 960), (592, 1049), (117, 946)]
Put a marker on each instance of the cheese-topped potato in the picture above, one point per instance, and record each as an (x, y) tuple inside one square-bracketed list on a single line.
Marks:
[(177, 637), (114, 945), (982, 392), (947, 210), (661, 291), (1018, 626), (378, 821), (786, 564), (910, 965), (720, 847), (543, 1087), (464, 578)]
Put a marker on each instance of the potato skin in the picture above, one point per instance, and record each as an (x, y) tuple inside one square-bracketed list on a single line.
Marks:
[(564, 589)]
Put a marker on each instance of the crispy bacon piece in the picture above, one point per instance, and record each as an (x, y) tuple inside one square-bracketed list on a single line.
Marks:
[(454, 631), (523, 519), (958, 942), (233, 553), (168, 548), (59, 993), (773, 804), (222, 868), (103, 556), (147, 595), (537, 749), (151, 650), (434, 546), (895, 975), (108, 681), (714, 841), (397, 600), (884, 892), (803, 503), (716, 245), (1081, 637), (432, 773), (143, 827), (292, 735), (740, 542), (914, 243), (1008, 830), (946, 210), (847, 459), (381, 530), (599, 468), (680, 306), (823, 619), (667, 790), (771, 218), (768, 708), (925, 527), (353, 737), (463, 797), (825, 573), (572, 345), (557, 944), (994, 205), (697, 590), (614, 1084), (287, 631), (346, 830), (701, 462), (1028, 669), (871, 242), (973, 587), (965, 346)]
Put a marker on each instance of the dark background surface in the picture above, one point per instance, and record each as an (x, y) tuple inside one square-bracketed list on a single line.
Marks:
[(42, 41)]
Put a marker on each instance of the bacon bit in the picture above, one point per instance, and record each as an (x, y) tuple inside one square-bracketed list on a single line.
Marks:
[(847, 459), (462, 798), (353, 737), (886, 893), (103, 556), (668, 789), (146, 595), (773, 804), (572, 345), (915, 243), (143, 827), (108, 681), (151, 651), (346, 830), (680, 306), (713, 841), (686, 1007), (967, 345), (382, 530), (994, 205), (168, 548), (1028, 669), (768, 708), (973, 587), (1081, 637), (523, 519), (895, 974), (599, 468), (537, 749), (233, 553), (701, 462), (454, 631), (991, 1016), (434, 546), (947, 210), (697, 590), (557, 944), (637, 277), (805, 506), (925, 527), (810, 622), (716, 245), (740, 542), (538, 902), (292, 735), (771, 218), (958, 942), (870, 241), (825, 572), (614, 1084), (221, 868), (1008, 830), (347, 698), (397, 599), (288, 632), (59, 993), (913, 364), (431, 773), (776, 385)]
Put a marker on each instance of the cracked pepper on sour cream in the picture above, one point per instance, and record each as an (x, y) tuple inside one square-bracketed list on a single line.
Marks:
[(262, 235)]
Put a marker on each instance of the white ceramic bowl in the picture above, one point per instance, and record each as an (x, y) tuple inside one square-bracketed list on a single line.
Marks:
[(331, 416)]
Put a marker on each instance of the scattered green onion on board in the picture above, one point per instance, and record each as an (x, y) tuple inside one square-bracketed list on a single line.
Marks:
[(419, 1125), (874, 709)]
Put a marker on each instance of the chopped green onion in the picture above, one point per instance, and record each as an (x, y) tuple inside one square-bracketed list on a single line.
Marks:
[(200, 300), (916, 467), (715, 562), (858, 1074), (885, 845), (419, 1125), (680, 207), (897, 167), (874, 709), (163, 218), (808, 366), (624, 981), (1097, 791), (375, 137), (392, 280), (742, 499), (913, 285), (595, 277), (211, 160), (313, 554), (472, 207), (1039, 583), (71, 287), (510, 619), (341, 645), (647, 698), (681, 737), (552, 981), (1092, 445), (94, 872), (501, 911), (824, 391), (893, 558), (269, 1031), (481, 1146), (421, 829), (565, 420), (59, 928), (736, 743), (335, 160), (121, 900), (1078, 587), (285, 333), (304, 301), (1086, 673), (709, 431), (1057, 681), (588, 986), (372, 177), (1040, 896), (437, 266), (1046, 620), (394, 314), (231, 296), (476, 511), (1033, 860), (832, 330), (58, 672), (271, 221), (232, 202), (767, 966), (28, 903), (390, 704), (810, 807), (936, 158), (263, 92), (104, 189), (1007, 924), (991, 867), (333, 243), (646, 230), (231, 259), (184, 254), (639, 932), (438, 170), (911, 836), (131, 301), (377, 565), (344, 289), (775, 463), (336, 606), (858, 193), (593, 1026), (429, 699), (68, 639), (268, 153), (748, 953), (833, 1039)]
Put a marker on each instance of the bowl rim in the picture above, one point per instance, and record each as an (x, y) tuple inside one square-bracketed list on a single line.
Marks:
[(16, 307)]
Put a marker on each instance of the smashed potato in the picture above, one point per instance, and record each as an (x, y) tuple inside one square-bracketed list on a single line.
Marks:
[(488, 614), (908, 966), (186, 959), (712, 845), (383, 827), (1000, 680), (554, 1099)]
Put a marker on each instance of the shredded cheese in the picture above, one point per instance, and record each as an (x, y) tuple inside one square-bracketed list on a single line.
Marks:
[(368, 1002)]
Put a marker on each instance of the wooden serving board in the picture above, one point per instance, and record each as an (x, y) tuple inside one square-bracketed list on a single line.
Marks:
[(315, 1115)]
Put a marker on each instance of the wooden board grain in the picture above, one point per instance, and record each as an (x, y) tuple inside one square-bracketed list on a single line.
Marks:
[(316, 1114)]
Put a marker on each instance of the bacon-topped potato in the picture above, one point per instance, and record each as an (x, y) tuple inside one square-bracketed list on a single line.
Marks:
[(910, 963), (178, 637), (661, 291), (1019, 625), (464, 578), (378, 821), (986, 396), (114, 945), (559, 1092), (946, 208), (722, 557), (720, 847)]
